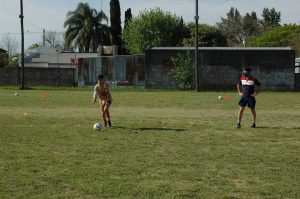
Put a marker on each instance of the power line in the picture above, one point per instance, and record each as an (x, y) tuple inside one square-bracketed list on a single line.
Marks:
[(28, 32), (33, 25)]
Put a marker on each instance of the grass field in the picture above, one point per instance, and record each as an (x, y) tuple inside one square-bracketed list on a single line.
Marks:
[(167, 144)]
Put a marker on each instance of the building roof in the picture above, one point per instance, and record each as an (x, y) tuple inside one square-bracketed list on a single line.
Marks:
[(220, 48), (2, 50)]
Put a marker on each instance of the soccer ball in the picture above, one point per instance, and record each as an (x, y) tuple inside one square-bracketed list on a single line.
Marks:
[(97, 127), (220, 97)]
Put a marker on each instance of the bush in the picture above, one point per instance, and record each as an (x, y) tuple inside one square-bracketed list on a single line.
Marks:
[(183, 71)]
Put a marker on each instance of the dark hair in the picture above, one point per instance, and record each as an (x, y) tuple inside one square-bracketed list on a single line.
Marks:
[(99, 77), (247, 69)]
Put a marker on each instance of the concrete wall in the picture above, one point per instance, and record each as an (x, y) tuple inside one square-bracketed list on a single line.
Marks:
[(123, 70), (37, 77), (220, 68)]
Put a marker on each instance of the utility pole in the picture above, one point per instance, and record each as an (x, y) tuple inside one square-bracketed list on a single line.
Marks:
[(196, 50), (44, 37), (22, 44)]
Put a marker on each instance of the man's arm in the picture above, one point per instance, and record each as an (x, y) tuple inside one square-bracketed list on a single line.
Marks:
[(238, 89), (257, 90), (95, 94), (258, 87)]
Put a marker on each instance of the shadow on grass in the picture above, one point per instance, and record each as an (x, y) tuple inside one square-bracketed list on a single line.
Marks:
[(277, 127), (150, 129)]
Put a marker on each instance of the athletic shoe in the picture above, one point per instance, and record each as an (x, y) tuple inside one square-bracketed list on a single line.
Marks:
[(238, 125), (253, 125)]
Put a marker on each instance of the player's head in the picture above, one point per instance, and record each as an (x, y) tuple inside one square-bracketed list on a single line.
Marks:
[(100, 78), (247, 70)]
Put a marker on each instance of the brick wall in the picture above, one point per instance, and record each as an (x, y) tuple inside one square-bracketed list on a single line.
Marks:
[(37, 77)]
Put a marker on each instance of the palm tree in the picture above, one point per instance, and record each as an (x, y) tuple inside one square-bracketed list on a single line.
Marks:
[(85, 30)]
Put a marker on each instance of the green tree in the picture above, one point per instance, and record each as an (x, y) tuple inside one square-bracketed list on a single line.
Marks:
[(115, 21), (35, 45), (271, 18), (209, 36), (240, 29), (232, 27), (85, 30), (287, 35), (251, 26), (183, 71), (276, 37), (128, 17), (153, 28)]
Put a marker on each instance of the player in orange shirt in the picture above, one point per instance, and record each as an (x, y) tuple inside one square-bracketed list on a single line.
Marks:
[(101, 91)]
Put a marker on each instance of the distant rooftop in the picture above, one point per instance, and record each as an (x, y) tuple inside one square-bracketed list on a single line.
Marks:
[(220, 48), (2, 50)]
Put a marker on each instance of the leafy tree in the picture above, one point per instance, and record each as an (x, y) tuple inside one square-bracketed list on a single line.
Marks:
[(183, 71), (33, 46), (13, 61), (287, 35), (115, 21), (232, 27), (128, 17), (209, 36), (85, 30), (251, 26), (271, 18), (153, 28)]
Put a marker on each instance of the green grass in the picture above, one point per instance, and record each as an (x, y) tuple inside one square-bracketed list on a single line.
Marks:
[(167, 144)]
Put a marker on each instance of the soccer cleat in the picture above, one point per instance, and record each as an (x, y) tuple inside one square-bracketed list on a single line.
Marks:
[(253, 125), (109, 124), (238, 125)]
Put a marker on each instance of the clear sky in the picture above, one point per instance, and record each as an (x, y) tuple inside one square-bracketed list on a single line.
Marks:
[(51, 14)]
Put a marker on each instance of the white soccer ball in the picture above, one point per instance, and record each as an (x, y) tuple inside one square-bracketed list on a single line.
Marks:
[(16, 94), (220, 97), (97, 127)]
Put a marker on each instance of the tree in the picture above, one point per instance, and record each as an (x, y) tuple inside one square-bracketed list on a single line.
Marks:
[(183, 71), (232, 27), (209, 36), (287, 35), (10, 44), (128, 17), (271, 18), (33, 46), (251, 26), (54, 39), (85, 30), (153, 28), (115, 22)]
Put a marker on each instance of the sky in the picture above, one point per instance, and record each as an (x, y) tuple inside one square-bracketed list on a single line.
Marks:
[(51, 14)]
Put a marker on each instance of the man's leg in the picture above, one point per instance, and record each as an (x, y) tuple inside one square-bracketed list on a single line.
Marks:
[(103, 114), (240, 115), (251, 105), (107, 114), (242, 105), (254, 117)]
